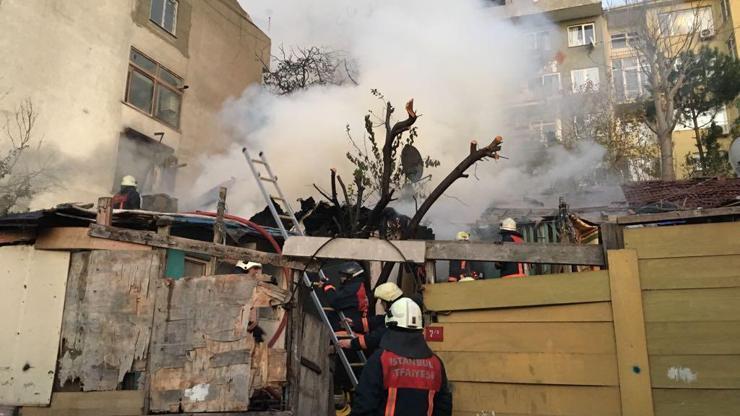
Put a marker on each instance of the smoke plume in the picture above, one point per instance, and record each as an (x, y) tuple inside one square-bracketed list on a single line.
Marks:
[(463, 64)]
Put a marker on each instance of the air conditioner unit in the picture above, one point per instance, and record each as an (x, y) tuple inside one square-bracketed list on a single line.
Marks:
[(705, 34)]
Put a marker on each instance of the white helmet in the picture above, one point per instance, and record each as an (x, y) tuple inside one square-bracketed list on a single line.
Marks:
[(388, 292), (404, 313), (248, 265), (508, 224), (128, 180)]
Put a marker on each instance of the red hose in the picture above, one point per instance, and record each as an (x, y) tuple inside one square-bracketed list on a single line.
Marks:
[(275, 245)]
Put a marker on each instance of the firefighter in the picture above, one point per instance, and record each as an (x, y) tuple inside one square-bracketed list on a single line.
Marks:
[(403, 377), (388, 293), (127, 197), (350, 298), (460, 269), (509, 234), (250, 268)]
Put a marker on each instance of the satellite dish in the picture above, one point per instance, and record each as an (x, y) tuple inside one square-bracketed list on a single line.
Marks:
[(734, 154), (411, 163)]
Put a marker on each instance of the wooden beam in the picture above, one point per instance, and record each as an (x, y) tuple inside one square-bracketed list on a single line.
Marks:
[(105, 211), (194, 246), (77, 238), (355, 248), (590, 255), (629, 328), (542, 290), (678, 215), (218, 230)]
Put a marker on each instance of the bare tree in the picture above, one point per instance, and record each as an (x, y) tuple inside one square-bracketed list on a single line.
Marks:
[(299, 68), (19, 180), (662, 40)]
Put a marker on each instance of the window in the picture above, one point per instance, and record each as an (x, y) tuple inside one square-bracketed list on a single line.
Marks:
[(547, 131), (164, 14), (584, 79), (538, 41), (580, 35), (623, 40), (551, 83), (687, 21), (719, 117), (628, 79), (153, 89)]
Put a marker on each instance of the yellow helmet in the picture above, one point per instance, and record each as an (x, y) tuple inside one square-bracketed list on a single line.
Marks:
[(128, 180), (388, 292), (463, 236)]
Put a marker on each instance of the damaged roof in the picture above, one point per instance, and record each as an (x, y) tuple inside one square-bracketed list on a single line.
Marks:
[(190, 225), (661, 196)]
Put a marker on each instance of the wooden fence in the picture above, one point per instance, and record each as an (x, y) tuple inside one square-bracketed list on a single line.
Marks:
[(658, 333)]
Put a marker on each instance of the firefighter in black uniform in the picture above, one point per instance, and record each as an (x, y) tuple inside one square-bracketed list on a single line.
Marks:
[(388, 293), (127, 197), (403, 377), (350, 298), (460, 269)]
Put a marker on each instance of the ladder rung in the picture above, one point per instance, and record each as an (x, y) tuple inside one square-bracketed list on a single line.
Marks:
[(277, 198), (345, 337), (262, 178), (357, 364), (328, 308), (258, 161), (285, 217)]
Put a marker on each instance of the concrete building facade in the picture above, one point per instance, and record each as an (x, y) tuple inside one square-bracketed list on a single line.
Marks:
[(126, 86)]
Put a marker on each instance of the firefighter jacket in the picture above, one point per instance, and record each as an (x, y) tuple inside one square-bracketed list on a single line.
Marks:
[(509, 269), (459, 269), (351, 299), (371, 340), (126, 198), (403, 377)]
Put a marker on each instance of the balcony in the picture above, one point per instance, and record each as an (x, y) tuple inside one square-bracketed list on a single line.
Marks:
[(557, 10)]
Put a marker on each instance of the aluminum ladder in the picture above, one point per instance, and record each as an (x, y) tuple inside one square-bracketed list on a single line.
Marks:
[(290, 216)]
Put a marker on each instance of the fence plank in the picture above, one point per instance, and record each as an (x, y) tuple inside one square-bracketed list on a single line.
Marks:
[(579, 312), (528, 252), (702, 338), (76, 238), (629, 329), (554, 337), (695, 371), (692, 305), (536, 400), (534, 290), (710, 239), (694, 402), (532, 368), (690, 272)]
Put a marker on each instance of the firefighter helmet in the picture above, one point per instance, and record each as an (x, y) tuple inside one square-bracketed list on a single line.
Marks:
[(351, 269), (128, 180), (508, 224), (404, 313), (247, 265), (388, 292)]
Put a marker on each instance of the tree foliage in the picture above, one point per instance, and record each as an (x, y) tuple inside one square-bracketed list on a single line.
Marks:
[(593, 116), (367, 156), (715, 162), (713, 82)]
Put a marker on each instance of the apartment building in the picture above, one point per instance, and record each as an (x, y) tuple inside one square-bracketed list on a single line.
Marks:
[(711, 22), (127, 86)]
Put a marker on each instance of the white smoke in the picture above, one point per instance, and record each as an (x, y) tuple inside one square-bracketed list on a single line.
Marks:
[(463, 65)]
